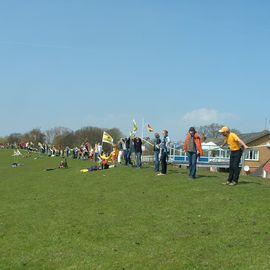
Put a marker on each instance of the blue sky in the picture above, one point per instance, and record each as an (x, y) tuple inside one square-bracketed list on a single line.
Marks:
[(103, 63)]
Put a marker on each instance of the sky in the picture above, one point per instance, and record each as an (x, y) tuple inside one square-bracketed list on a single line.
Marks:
[(175, 64)]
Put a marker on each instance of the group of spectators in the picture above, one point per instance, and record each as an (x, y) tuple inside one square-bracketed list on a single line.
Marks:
[(193, 148), (123, 150)]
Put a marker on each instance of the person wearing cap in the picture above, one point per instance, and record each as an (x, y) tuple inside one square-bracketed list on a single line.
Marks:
[(235, 144), (193, 148)]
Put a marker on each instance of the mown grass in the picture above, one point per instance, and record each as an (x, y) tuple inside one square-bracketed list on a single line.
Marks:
[(127, 218)]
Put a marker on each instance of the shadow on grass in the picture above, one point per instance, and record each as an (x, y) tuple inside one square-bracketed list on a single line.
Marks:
[(175, 172), (248, 182), (207, 176)]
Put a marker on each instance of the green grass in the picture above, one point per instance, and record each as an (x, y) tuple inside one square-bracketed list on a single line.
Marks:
[(125, 218)]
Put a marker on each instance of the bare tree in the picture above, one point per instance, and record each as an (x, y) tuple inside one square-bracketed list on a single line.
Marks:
[(52, 133), (14, 138), (211, 131), (35, 136)]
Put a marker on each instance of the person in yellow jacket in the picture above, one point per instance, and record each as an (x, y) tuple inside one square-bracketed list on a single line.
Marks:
[(193, 148), (104, 160), (235, 144)]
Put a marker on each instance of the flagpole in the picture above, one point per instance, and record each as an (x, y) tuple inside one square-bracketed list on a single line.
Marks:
[(147, 142), (142, 128), (102, 142)]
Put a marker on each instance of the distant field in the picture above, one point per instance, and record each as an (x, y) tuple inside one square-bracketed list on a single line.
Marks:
[(127, 218)]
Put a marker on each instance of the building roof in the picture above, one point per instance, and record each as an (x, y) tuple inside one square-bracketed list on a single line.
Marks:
[(246, 137), (250, 137), (266, 167), (218, 141), (209, 146)]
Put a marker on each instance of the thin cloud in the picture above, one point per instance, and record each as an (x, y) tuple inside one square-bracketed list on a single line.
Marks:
[(204, 116)]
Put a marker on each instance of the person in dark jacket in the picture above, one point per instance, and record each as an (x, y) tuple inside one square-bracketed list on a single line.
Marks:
[(164, 152), (138, 151), (157, 142), (129, 146)]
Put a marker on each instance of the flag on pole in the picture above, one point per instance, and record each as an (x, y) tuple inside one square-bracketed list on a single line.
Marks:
[(132, 134), (149, 128), (135, 126), (107, 138)]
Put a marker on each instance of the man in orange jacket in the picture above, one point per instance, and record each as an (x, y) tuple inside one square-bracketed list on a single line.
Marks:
[(193, 148)]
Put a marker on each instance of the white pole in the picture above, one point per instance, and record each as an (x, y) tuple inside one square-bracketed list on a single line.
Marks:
[(147, 142), (142, 128)]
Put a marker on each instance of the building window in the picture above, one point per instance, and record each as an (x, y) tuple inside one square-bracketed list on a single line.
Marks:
[(252, 155)]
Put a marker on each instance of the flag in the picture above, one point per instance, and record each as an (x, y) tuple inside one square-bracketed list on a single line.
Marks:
[(132, 134), (135, 127), (149, 128), (107, 138)]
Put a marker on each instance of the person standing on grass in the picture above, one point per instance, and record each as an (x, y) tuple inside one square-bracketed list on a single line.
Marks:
[(138, 151), (235, 144), (164, 152), (121, 146), (157, 142), (96, 154), (193, 148), (129, 149)]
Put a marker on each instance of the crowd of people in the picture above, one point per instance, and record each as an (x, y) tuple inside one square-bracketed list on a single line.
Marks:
[(123, 151)]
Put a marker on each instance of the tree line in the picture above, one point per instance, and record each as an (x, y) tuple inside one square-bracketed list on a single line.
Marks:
[(61, 136)]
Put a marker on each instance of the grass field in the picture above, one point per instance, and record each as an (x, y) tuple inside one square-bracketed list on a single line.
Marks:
[(127, 218)]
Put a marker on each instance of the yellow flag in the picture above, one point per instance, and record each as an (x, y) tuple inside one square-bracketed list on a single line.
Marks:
[(107, 138), (132, 134), (135, 127)]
